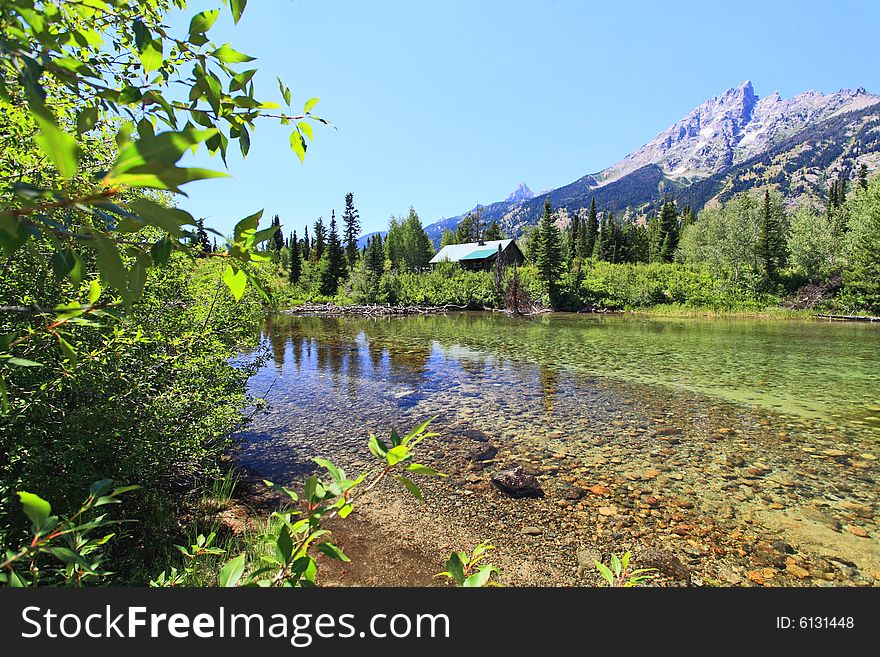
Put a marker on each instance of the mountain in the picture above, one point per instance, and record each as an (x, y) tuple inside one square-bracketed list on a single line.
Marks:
[(521, 193), (730, 143)]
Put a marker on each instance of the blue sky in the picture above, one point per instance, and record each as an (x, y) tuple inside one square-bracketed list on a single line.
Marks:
[(443, 105)]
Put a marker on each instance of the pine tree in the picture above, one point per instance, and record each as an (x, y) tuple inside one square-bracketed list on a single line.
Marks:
[(352, 229), (592, 230), (548, 252), (466, 231), (375, 255), (277, 236), (448, 237), (599, 242), (201, 240), (214, 248), (493, 232), (771, 240), (319, 242), (335, 270), (295, 260), (669, 231), (306, 246), (574, 228), (863, 176)]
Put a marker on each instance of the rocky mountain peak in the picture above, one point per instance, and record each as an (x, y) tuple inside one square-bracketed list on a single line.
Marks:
[(521, 193), (730, 128)]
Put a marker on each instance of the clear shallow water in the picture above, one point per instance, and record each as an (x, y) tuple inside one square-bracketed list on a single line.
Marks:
[(778, 415)]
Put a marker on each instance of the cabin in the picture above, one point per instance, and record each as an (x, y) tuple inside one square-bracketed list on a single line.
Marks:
[(480, 256)]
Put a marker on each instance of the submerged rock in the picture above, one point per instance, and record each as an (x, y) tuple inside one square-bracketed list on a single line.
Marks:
[(666, 563), (483, 452), (516, 482)]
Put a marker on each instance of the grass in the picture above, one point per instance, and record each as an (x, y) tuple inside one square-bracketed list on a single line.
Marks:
[(683, 310)]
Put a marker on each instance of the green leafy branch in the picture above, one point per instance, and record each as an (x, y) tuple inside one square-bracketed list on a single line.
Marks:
[(467, 571), (74, 541), (619, 574), (295, 531)]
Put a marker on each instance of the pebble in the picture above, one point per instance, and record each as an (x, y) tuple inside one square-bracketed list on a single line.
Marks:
[(797, 571), (608, 510), (855, 530), (532, 531)]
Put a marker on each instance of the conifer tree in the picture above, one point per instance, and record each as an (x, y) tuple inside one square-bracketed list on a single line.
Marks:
[(319, 242), (592, 230), (278, 236), (468, 230), (201, 238), (548, 252), (771, 240), (352, 229), (863, 176), (493, 232), (375, 255), (448, 237), (335, 252), (295, 260), (669, 230), (574, 228), (306, 246)]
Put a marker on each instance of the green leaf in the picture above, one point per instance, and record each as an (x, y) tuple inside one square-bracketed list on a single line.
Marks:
[(418, 468), (283, 545), (410, 486), (22, 362), (455, 568), (397, 454), (310, 103), (285, 91), (418, 430), (247, 224), (310, 489), (203, 21), (605, 572), (166, 147), (333, 552), (110, 263), (94, 291), (281, 489), (306, 128), (35, 508), (160, 251), (236, 281), (229, 55), (345, 510), (151, 55), (479, 578), (237, 7), (86, 119), (377, 447), (168, 219), (164, 177), (298, 144), (58, 145), (67, 350), (231, 573), (335, 472)]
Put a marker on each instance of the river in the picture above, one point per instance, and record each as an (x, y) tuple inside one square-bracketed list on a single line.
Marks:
[(746, 448)]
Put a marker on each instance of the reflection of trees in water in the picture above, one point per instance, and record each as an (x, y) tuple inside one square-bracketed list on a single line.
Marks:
[(299, 343), (549, 386)]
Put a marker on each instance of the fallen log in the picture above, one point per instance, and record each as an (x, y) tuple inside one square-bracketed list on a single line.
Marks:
[(374, 310)]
